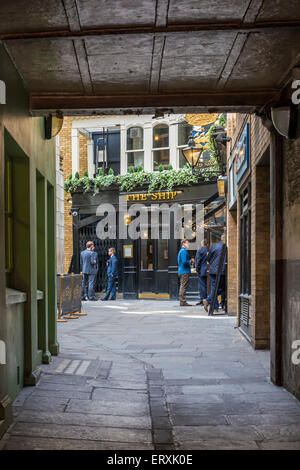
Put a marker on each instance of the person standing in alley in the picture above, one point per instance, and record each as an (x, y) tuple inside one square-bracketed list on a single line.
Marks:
[(112, 274), (213, 258), (201, 268), (89, 269), (184, 269)]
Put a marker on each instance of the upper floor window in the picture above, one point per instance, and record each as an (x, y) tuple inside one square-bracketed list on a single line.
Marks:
[(135, 147), (184, 131), (161, 150)]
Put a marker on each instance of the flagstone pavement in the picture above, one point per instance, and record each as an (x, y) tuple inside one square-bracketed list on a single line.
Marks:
[(152, 375)]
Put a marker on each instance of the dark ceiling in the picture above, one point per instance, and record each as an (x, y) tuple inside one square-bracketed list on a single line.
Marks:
[(104, 56)]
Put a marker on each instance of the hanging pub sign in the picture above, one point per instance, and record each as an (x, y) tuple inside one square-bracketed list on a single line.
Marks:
[(241, 154)]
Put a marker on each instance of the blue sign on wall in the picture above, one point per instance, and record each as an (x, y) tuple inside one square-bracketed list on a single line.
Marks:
[(241, 154)]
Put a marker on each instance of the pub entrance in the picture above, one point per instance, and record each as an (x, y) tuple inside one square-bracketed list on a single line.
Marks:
[(153, 259)]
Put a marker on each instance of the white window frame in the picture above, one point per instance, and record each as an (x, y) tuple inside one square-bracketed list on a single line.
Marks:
[(130, 126), (160, 148)]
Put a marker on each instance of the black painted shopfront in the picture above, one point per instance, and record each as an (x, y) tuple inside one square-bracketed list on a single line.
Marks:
[(147, 265)]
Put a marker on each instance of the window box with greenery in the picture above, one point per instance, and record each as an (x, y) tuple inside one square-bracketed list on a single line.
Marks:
[(139, 179)]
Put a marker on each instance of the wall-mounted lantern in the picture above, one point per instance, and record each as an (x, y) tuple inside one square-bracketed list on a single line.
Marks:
[(220, 139), (53, 124), (222, 185), (286, 120), (192, 153)]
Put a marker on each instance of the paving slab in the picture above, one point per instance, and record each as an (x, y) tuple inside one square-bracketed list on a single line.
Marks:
[(274, 418), (62, 379), (50, 386), (51, 403), (93, 433), (31, 416), (118, 384), (36, 443), (218, 444), (132, 396), (108, 408), (228, 432), (280, 445), (200, 420), (193, 398)]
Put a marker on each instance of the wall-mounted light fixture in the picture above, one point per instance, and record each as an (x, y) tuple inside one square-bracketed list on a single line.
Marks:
[(286, 120), (74, 212), (220, 140), (53, 124), (192, 153), (127, 219), (222, 185)]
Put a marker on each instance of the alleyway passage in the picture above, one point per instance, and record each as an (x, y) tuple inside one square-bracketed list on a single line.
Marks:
[(152, 375)]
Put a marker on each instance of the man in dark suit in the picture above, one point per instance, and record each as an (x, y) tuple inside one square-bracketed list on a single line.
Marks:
[(201, 268), (89, 269), (213, 258), (112, 274)]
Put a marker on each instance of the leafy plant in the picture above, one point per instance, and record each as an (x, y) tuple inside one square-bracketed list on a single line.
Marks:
[(157, 180), (77, 176), (130, 181), (211, 144)]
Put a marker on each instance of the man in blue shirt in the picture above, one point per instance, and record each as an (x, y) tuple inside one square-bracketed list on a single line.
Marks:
[(201, 268), (184, 269), (213, 258), (89, 269), (112, 274)]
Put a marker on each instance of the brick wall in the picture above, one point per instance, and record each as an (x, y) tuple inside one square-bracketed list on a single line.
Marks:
[(260, 236), (66, 154), (83, 154), (260, 229), (232, 244)]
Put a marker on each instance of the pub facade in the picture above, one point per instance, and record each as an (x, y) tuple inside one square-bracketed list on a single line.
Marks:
[(147, 254), (148, 264)]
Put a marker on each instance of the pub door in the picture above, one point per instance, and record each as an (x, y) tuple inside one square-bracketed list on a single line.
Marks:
[(153, 261)]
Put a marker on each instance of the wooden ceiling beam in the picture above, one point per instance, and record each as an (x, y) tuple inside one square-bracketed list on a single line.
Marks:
[(204, 100), (276, 26)]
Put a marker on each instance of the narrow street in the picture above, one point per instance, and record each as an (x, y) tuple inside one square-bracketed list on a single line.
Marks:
[(153, 375)]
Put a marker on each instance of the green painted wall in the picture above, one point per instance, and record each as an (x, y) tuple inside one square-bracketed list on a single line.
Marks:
[(33, 165)]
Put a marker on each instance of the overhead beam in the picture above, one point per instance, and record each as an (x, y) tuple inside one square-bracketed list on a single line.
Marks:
[(252, 11), (161, 13), (83, 66), (250, 98), (178, 28), (72, 14), (156, 62), (232, 58)]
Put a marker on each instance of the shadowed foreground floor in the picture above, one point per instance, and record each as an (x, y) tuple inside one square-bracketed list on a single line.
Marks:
[(153, 375)]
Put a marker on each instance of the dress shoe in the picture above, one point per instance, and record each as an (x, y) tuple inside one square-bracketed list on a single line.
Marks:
[(199, 303), (104, 299), (93, 299), (186, 305), (205, 305)]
